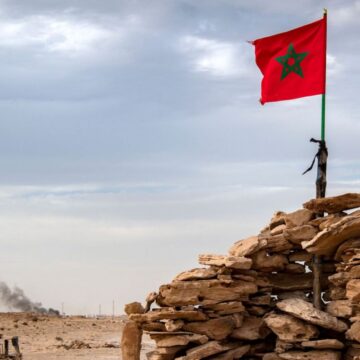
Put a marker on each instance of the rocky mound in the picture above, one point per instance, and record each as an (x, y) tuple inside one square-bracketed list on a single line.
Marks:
[(256, 301)]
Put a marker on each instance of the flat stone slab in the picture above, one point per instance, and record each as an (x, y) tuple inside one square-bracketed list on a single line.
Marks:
[(236, 353), (253, 328), (205, 350), (324, 344), (226, 308), (247, 246), (327, 241), (307, 312), (203, 292), (289, 328), (340, 308), (234, 262), (311, 355), (354, 332), (216, 329), (334, 204), (177, 339), (169, 314)]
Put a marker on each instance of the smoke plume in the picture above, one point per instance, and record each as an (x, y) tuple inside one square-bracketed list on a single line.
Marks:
[(16, 299)]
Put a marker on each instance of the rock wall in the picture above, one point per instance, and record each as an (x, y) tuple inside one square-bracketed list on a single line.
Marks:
[(256, 301)]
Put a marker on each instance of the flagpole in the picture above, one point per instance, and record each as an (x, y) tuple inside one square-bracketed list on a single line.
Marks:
[(320, 182), (323, 105), (323, 98)]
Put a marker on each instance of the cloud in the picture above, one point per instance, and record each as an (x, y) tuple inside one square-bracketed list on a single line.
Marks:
[(346, 15), (217, 58), (52, 34), (65, 35), (332, 64)]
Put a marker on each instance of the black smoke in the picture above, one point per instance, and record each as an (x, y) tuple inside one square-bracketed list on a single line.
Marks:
[(16, 299)]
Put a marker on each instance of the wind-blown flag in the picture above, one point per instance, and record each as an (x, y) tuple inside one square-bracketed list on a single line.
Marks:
[(293, 63)]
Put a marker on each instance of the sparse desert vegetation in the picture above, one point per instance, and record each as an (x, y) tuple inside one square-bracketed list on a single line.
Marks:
[(44, 337)]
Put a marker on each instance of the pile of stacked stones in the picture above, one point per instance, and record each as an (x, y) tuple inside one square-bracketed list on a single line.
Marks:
[(256, 302)]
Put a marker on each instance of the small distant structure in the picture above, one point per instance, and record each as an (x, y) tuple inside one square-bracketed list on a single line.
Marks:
[(6, 354)]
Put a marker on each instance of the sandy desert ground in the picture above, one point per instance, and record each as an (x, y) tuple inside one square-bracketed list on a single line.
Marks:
[(45, 337)]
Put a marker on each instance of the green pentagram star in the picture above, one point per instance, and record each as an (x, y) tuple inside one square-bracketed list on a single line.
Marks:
[(291, 62)]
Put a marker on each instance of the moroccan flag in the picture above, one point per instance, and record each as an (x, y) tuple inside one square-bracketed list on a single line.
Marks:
[(293, 63)]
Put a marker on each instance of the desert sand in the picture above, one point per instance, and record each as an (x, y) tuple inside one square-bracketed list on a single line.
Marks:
[(44, 337)]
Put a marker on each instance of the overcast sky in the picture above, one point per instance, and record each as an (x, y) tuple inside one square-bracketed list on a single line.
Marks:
[(132, 139)]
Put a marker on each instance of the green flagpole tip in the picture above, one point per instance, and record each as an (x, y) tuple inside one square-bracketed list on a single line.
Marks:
[(325, 11)]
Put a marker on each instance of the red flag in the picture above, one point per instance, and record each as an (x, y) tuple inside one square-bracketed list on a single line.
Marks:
[(293, 63)]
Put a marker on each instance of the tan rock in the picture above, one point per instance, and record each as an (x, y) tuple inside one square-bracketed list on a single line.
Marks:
[(353, 290), (311, 355), (290, 282), (197, 274), (150, 300), (324, 344), (300, 256), (174, 325), (355, 272), (327, 241), (164, 353), (247, 246), (354, 319), (204, 292), (216, 329), (169, 350), (211, 259), (289, 328), (155, 355), (295, 268), (354, 332), (293, 295), (236, 353), (235, 262), (238, 319), (257, 310), (208, 349), (253, 328), (134, 308), (278, 230), (223, 277), (244, 277), (262, 281), (226, 308), (171, 314), (339, 278), (300, 233), (264, 299), (271, 356), (277, 219), (276, 243), (131, 341), (153, 326), (352, 353), (346, 245), (177, 339), (340, 308), (334, 204), (330, 219), (259, 348), (283, 346), (268, 263), (337, 293), (307, 312), (298, 218)]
